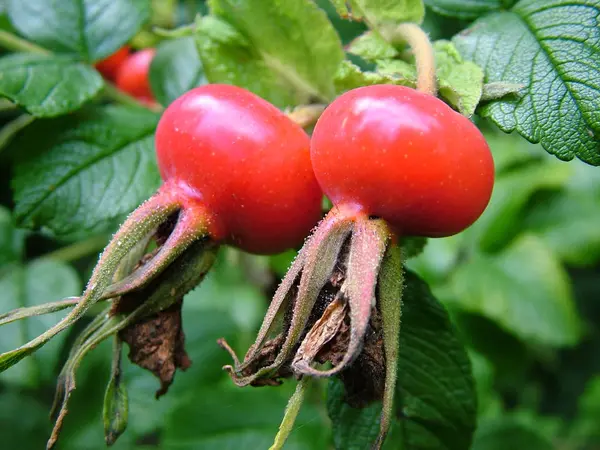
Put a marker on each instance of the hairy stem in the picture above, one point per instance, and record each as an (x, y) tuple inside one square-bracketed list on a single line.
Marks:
[(418, 41), (10, 130)]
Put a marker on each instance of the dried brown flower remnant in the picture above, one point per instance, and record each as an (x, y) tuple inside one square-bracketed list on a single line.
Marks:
[(156, 343)]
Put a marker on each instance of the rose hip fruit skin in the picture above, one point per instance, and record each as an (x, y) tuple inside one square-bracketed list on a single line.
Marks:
[(246, 162), (133, 76), (405, 156), (109, 67)]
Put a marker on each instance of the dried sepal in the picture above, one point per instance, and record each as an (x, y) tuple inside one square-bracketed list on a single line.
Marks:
[(367, 247), (319, 257)]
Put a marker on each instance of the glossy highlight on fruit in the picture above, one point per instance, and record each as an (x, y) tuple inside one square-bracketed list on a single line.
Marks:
[(405, 156), (245, 161), (133, 77)]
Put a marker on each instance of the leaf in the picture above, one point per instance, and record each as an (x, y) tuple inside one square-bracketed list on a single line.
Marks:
[(462, 9), (292, 56), (12, 240), (435, 398), (501, 220), (459, 82), (175, 69), (553, 48), (91, 29), (382, 11), (225, 418), (349, 76), (568, 221), (28, 428), (499, 89), (585, 425), (48, 86), (506, 433), (80, 174), (518, 287), (370, 46), (34, 284)]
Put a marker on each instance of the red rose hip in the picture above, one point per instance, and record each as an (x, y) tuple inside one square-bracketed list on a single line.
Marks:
[(245, 161), (109, 67), (405, 156), (132, 76)]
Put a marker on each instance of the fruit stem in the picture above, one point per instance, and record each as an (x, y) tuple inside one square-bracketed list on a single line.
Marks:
[(306, 115), (10, 130), (291, 413), (421, 47)]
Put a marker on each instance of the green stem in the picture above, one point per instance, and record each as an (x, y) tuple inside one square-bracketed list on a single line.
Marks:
[(79, 249), (306, 115), (113, 93), (8, 132), (291, 413), (418, 41), (7, 105), (14, 43)]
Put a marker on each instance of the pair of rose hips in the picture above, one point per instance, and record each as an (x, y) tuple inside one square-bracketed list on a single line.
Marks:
[(394, 161), (129, 71), (385, 151)]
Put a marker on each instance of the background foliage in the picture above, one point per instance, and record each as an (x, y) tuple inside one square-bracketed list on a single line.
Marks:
[(519, 290)]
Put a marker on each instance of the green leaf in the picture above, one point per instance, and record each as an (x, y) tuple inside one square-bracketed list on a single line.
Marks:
[(501, 220), (36, 283), (459, 82), (498, 89), (226, 418), (92, 29), (370, 46), (349, 76), (553, 48), (78, 175), (378, 12), (12, 240), (518, 287), (292, 55), (568, 221), (47, 86), (502, 434), (175, 69), (586, 422), (436, 399), (462, 9), (29, 428)]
